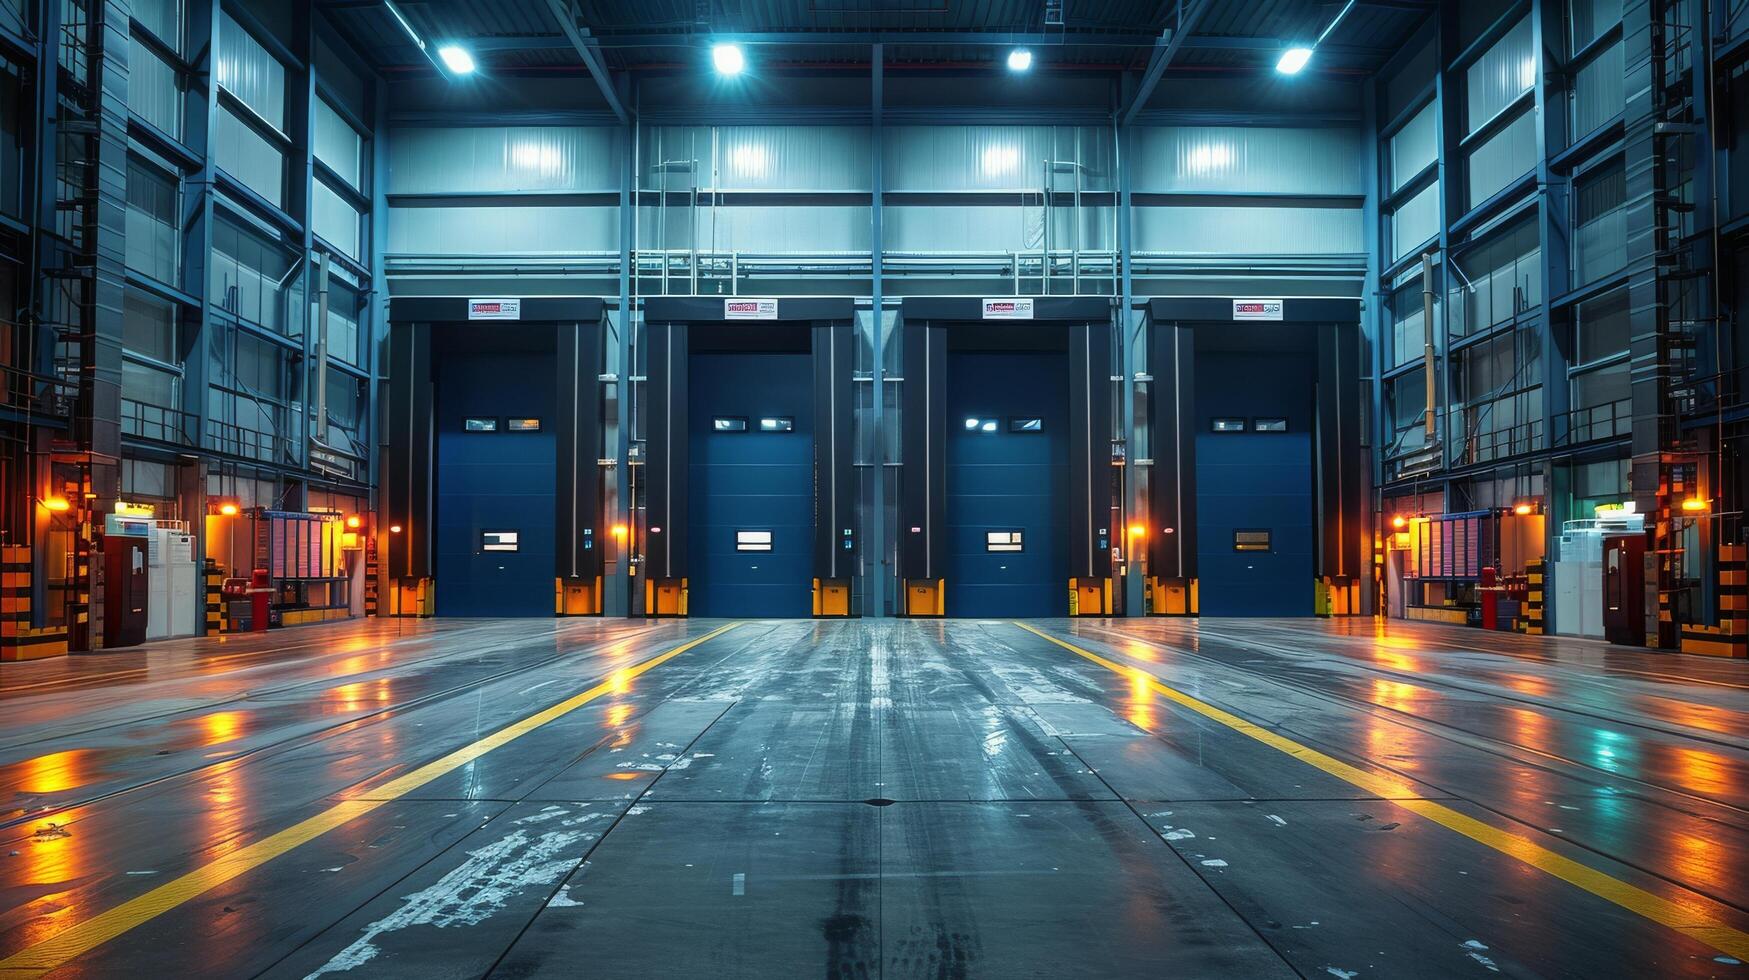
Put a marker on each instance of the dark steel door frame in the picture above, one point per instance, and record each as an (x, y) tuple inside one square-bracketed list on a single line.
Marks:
[(1339, 452), (924, 324), (408, 498), (670, 326)]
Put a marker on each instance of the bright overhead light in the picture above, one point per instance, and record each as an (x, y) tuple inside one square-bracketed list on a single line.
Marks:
[(728, 59), (456, 59), (1292, 60), (1020, 59)]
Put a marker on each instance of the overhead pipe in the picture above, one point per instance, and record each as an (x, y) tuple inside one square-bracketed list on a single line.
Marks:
[(1427, 348), (319, 427)]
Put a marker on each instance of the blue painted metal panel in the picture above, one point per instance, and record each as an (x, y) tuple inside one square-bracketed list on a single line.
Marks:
[(1004, 480), (753, 481), (495, 481), (1254, 481)]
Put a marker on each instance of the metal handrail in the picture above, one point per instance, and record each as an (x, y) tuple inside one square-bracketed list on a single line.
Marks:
[(1598, 422), (157, 423), (235, 440)]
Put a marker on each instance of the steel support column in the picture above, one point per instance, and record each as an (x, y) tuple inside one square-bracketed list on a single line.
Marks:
[(878, 576), (1129, 327), (618, 508)]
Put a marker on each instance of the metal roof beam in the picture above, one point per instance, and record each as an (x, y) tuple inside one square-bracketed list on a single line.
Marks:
[(565, 12), (1171, 42), (1041, 41)]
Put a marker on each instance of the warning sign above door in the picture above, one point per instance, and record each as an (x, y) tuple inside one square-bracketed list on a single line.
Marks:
[(1008, 309), (1257, 309), (740, 308), (494, 309)]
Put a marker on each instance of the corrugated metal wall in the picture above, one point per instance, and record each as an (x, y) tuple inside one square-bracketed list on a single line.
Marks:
[(1229, 190), (475, 191), (971, 190)]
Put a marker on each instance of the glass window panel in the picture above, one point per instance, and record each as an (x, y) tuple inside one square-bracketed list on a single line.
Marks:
[(1405, 401), (1252, 540), (1601, 386), (1602, 327), (163, 18), (752, 540), (247, 71), (1408, 320), (256, 278), (338, 145), (1411, 80), (1416, 221), (1503, 73), (153, 244), (335, 220), (150, 385), (149, 326), (248, 156), (1497, 278), (154, 89), (1597, 92), (1599, 222), (1503, 157), (1588, 19), (1414, 146), (343, 312)]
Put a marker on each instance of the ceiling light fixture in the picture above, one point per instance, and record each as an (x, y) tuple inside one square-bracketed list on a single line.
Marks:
[(456, 59), (1292, 60), (1296, 57), (1020, 59), (728, 59)]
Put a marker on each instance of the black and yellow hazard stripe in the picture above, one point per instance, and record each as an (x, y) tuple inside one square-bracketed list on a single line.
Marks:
[(1731, 637), (18, 639), (1536, 571), (215, 609), (371, 607)]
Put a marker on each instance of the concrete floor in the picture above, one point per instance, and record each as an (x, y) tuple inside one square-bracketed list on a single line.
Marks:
[(862, 799)]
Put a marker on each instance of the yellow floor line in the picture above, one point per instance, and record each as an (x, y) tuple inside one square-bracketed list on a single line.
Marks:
[(101, 928), (1692, 918)]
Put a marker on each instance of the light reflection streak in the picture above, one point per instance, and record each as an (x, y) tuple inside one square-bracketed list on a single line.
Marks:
[(221, 727), (55, 772), (1141, 701)]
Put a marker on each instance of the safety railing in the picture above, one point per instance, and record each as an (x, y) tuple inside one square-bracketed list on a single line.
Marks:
[(1594, 424), (37, 393), (157, 423), (234, 440), (1502, 443)]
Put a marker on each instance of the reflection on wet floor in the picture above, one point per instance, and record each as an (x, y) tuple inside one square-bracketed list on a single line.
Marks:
[(854, 798)]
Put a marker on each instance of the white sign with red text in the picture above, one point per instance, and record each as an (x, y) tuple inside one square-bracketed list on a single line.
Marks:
[(740, 308), (494, 309), (1257, 309), (1008, 309)]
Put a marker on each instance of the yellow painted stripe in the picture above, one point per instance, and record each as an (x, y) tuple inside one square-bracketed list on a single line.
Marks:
[(101, 928), (1693, 917)]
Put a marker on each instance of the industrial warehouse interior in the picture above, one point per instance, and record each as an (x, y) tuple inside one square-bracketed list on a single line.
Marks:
[(874, 488)]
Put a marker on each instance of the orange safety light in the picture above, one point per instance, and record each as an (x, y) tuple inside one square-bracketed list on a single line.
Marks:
[(1522, 509), (1399, 521), (394, 529), (619, 530), (58, 504), (1137, 530), (354, 521), (228, 509), (1694, 504)]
